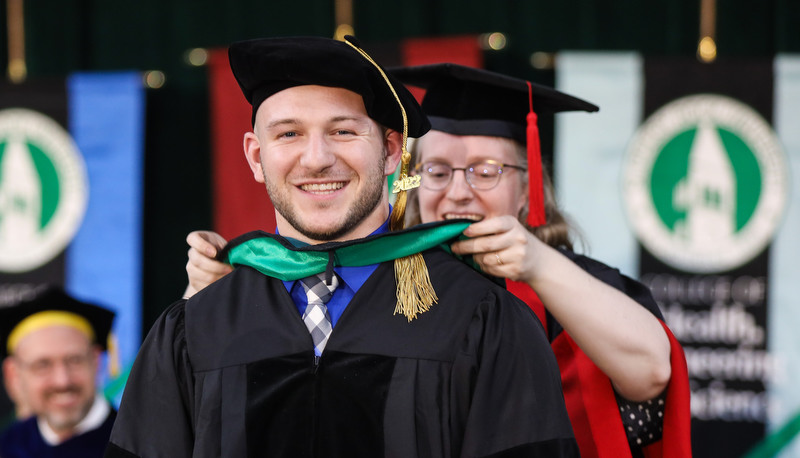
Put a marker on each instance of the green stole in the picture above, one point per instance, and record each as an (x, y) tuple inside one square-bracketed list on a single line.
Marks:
[(277, 257)]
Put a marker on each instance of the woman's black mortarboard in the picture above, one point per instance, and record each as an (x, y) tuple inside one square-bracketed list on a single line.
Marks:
[(471, 101), (49, 306)]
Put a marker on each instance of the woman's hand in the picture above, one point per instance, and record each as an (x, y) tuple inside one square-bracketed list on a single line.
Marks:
[(203, 267), (502, 247), (621, 337)]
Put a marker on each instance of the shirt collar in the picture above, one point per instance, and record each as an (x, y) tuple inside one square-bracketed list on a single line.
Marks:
[(353, 277), (356, 276), (96, 416)]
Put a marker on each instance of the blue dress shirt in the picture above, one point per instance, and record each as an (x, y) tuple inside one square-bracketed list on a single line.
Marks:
[(350, 280)]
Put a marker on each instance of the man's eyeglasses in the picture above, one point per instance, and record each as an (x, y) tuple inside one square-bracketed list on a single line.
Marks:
[(482, 175), (45, 367)]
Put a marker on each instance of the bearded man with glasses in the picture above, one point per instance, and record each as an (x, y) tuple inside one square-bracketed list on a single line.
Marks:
[(52, 344)]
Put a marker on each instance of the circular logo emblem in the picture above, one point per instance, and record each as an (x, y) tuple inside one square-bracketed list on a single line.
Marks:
[(43, 189), (705, 183)]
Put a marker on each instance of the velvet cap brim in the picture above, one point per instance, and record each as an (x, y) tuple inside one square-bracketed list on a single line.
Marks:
[(471, 101), (53, 298), (266, 66)]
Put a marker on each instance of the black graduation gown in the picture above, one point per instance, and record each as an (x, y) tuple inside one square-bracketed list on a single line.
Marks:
[(232, 373), (23, 440)]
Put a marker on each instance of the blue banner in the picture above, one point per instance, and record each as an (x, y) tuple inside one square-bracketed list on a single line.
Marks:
[(104, 261)]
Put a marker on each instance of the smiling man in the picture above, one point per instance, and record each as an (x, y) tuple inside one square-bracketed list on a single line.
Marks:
[(53, 343), (319, 162), (344, 335)]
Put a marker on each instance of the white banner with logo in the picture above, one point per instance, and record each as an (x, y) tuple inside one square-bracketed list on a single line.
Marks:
[(752, 200)]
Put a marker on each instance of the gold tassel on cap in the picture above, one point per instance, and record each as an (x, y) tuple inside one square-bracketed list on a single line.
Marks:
[(113, 355), (415, 293)]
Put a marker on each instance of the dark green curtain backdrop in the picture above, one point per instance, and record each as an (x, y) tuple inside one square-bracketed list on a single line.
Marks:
[(63, 36)]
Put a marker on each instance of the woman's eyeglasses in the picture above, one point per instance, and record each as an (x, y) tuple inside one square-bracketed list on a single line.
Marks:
[(483, 175)]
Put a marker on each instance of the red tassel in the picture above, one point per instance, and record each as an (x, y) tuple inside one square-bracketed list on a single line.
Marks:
[(536, 215)]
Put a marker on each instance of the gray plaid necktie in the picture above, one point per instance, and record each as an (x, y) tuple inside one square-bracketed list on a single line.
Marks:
[(316, 315)]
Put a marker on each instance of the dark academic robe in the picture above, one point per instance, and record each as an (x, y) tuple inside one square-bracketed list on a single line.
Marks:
[(231, 372), (23, 440), (588, 392)]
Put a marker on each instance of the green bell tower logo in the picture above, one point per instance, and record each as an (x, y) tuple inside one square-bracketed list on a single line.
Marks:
[(705, 183), (43, 189)]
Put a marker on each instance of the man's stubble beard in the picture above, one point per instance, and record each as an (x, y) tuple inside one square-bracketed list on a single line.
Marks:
[(365, 204), (61, 421)]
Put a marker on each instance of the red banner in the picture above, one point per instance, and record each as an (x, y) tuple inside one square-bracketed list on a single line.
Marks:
[(462, 50), (240, 203)]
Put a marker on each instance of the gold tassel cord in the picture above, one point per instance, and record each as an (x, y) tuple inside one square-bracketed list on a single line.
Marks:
[(113, 356), (415, 293), (419, 295), (404, 183), (391, 88), (396, 222)]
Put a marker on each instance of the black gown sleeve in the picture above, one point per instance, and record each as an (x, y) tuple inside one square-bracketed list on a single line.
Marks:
[(613, 277), (517, 407), (155, 415)]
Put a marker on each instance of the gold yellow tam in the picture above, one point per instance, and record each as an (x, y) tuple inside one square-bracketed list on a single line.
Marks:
[(46, 319), (51, 306)]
